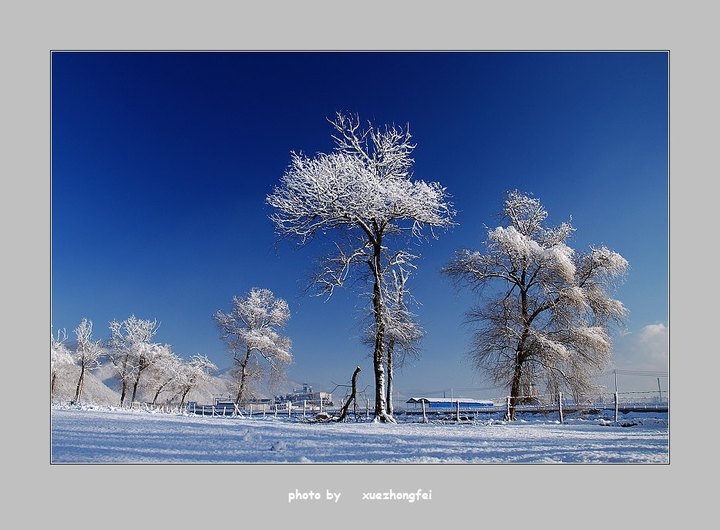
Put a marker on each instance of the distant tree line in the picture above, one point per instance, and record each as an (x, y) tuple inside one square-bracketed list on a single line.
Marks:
[(136, 360)]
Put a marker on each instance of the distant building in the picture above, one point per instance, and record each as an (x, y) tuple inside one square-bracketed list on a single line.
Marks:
[(306, 394), (450, 403)]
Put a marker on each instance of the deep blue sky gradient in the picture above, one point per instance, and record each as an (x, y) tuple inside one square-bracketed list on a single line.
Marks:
[(161, 163)]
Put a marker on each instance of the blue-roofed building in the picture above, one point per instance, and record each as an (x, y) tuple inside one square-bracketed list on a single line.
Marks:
[(450, 403)]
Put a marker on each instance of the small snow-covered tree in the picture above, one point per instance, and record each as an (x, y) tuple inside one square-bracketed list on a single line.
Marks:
[(191, 374), (60, 357), (545, 308), (128, 340), (365, 193), (250, 331), (144, 357), (163, 372), (87, 353)]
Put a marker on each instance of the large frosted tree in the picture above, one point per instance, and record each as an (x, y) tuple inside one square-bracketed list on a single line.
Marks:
[(251, 331), (364, 196), (545, 308)]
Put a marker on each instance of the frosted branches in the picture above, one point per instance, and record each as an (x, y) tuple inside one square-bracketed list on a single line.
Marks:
[(362, 182), (59, 353), (87, 350), (60, 356), (252, 324), (333, 271), (337, 189)]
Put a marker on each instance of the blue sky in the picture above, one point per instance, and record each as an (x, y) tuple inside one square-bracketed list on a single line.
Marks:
[(161, 163)]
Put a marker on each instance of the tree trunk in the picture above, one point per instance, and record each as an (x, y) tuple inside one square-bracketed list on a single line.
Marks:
[(135, 386), (123, 392), (515, 386), (243, 375), (157, 394), (182, 399), (388, 393), (381, 413), (81, 379), (52, 383), (352, 398), (515, 390), (123, 376), (143, 364)]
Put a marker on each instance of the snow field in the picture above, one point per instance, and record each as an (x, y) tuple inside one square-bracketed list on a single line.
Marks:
[(106, 435)]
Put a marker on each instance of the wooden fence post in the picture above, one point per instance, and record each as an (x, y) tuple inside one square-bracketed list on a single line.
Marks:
[(289, 406), (457, 411), (423, 410)]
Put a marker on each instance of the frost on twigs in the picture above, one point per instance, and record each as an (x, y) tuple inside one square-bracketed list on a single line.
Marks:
[(546, 320)]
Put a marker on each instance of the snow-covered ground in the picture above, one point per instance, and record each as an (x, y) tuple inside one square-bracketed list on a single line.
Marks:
[(107, 435)]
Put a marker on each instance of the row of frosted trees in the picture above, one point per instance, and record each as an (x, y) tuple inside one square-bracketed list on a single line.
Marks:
[(543, 312), (137, 361)]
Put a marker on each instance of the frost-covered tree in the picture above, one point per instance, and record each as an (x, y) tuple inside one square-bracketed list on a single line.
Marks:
[(60, 357), (144, 357), (545, 308), (365, 194), (163, 372), (129, 339), (87, 353), (251, 332), (191, 374)]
